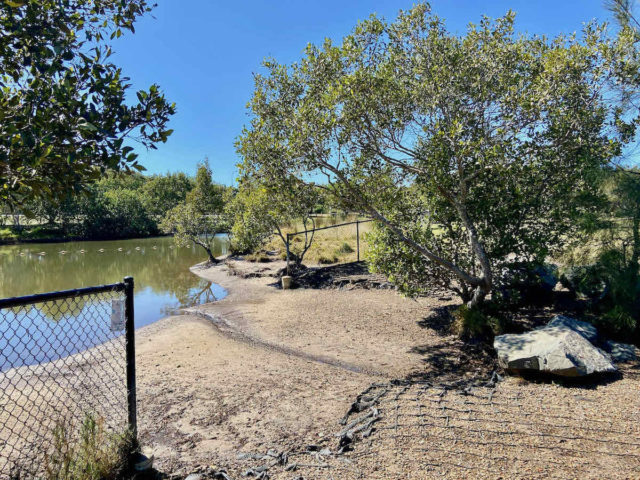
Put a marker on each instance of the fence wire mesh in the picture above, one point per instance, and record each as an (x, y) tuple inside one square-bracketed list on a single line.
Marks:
[(61, 360)]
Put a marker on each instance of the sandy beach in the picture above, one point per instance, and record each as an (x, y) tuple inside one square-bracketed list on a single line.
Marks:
[(348, 383)]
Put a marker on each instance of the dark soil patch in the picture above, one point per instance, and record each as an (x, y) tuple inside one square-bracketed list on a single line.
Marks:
[(343, 276)]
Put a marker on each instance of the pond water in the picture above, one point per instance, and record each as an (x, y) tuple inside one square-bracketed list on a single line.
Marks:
[(163, 283)]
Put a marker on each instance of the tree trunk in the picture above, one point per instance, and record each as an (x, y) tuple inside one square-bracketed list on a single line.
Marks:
[(212, 259), (484, 286), (479, 295), (207, 249)]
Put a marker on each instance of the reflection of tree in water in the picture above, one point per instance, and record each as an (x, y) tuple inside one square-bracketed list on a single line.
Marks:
[(60, 309), (202, 293)]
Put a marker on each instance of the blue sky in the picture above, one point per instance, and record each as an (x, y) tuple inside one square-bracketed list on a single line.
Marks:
[(203, 54)]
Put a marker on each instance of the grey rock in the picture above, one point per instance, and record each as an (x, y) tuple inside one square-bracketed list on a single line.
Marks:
[(585, 329), (620, 352), (556, 350), (195, 476)]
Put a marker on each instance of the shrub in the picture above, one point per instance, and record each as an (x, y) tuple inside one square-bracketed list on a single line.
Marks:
[(344, 248), (617, 322), (473, 323), (584, 281), (327, 260), (92, 454), (259, 257), (612, 286)]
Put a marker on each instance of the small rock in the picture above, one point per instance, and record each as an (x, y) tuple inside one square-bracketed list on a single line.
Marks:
[(195, 476)]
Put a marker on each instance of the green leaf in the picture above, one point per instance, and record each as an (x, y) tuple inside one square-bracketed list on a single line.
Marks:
[(15, 3)]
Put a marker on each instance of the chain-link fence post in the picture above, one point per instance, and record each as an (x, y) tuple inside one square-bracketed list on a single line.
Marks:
[(131, 355)]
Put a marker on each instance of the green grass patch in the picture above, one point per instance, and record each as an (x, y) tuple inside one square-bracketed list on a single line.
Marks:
[(89, 452)]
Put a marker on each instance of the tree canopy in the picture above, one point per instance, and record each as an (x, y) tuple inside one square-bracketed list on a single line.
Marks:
[(261, 209), (201, 216), (469, 150), (65, 118)]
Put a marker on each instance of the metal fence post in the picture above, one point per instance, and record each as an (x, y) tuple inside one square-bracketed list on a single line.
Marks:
[(131, 356), (288, 237), (358, 238)]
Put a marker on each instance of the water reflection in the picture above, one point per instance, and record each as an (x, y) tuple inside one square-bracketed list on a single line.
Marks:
[(163, 284)]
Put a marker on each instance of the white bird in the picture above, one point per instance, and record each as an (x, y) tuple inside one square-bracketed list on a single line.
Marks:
[(137, 248), (63, 252), (82, 250), (120, 249), (42, 253), (101, 250)]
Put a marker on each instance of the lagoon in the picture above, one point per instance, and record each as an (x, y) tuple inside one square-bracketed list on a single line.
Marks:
[(163, 282)]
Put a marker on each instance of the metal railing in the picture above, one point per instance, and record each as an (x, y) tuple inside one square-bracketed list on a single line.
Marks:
[(357, 223), (63, 356)]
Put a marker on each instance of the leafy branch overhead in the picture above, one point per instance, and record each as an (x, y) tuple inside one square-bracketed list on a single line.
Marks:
[(65, 114)]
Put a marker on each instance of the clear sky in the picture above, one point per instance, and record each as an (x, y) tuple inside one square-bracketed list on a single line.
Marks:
[(203, 54)]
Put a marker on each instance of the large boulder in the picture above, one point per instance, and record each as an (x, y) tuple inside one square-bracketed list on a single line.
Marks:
[(586, 329), (557, 350), (527, 283)]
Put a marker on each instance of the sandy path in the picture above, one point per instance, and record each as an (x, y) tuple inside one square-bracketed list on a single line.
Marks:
[(204, 397), (375, 331), (274, 370)]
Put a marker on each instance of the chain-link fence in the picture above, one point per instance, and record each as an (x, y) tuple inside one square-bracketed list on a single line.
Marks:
[(64, 356)]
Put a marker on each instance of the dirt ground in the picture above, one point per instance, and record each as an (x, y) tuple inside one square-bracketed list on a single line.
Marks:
[(258, 382), (266, 369)]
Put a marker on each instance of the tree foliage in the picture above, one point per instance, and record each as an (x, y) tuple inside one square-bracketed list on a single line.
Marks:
[(163, 192), (201, 216), (64, 117), (261, 209), (467, 150)]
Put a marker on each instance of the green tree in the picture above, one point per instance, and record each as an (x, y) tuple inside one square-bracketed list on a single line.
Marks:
[(624, 194), (116, 213), (468, 150), (163, 192), (206, 196), (64, 120), (259, 210), (201, 216)]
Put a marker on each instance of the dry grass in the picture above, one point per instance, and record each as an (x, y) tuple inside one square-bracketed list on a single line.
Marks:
[(333, 245)]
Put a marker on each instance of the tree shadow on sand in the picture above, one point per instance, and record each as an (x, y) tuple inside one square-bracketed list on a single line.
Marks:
[(452, 361)]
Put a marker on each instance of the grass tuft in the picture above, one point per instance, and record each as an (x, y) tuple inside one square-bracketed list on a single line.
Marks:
[(90, 452)]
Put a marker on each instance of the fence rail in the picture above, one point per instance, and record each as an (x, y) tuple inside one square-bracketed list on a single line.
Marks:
[(63, 356), (357, 223)]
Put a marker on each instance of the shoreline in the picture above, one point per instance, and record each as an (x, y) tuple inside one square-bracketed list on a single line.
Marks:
[(29, 241)]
